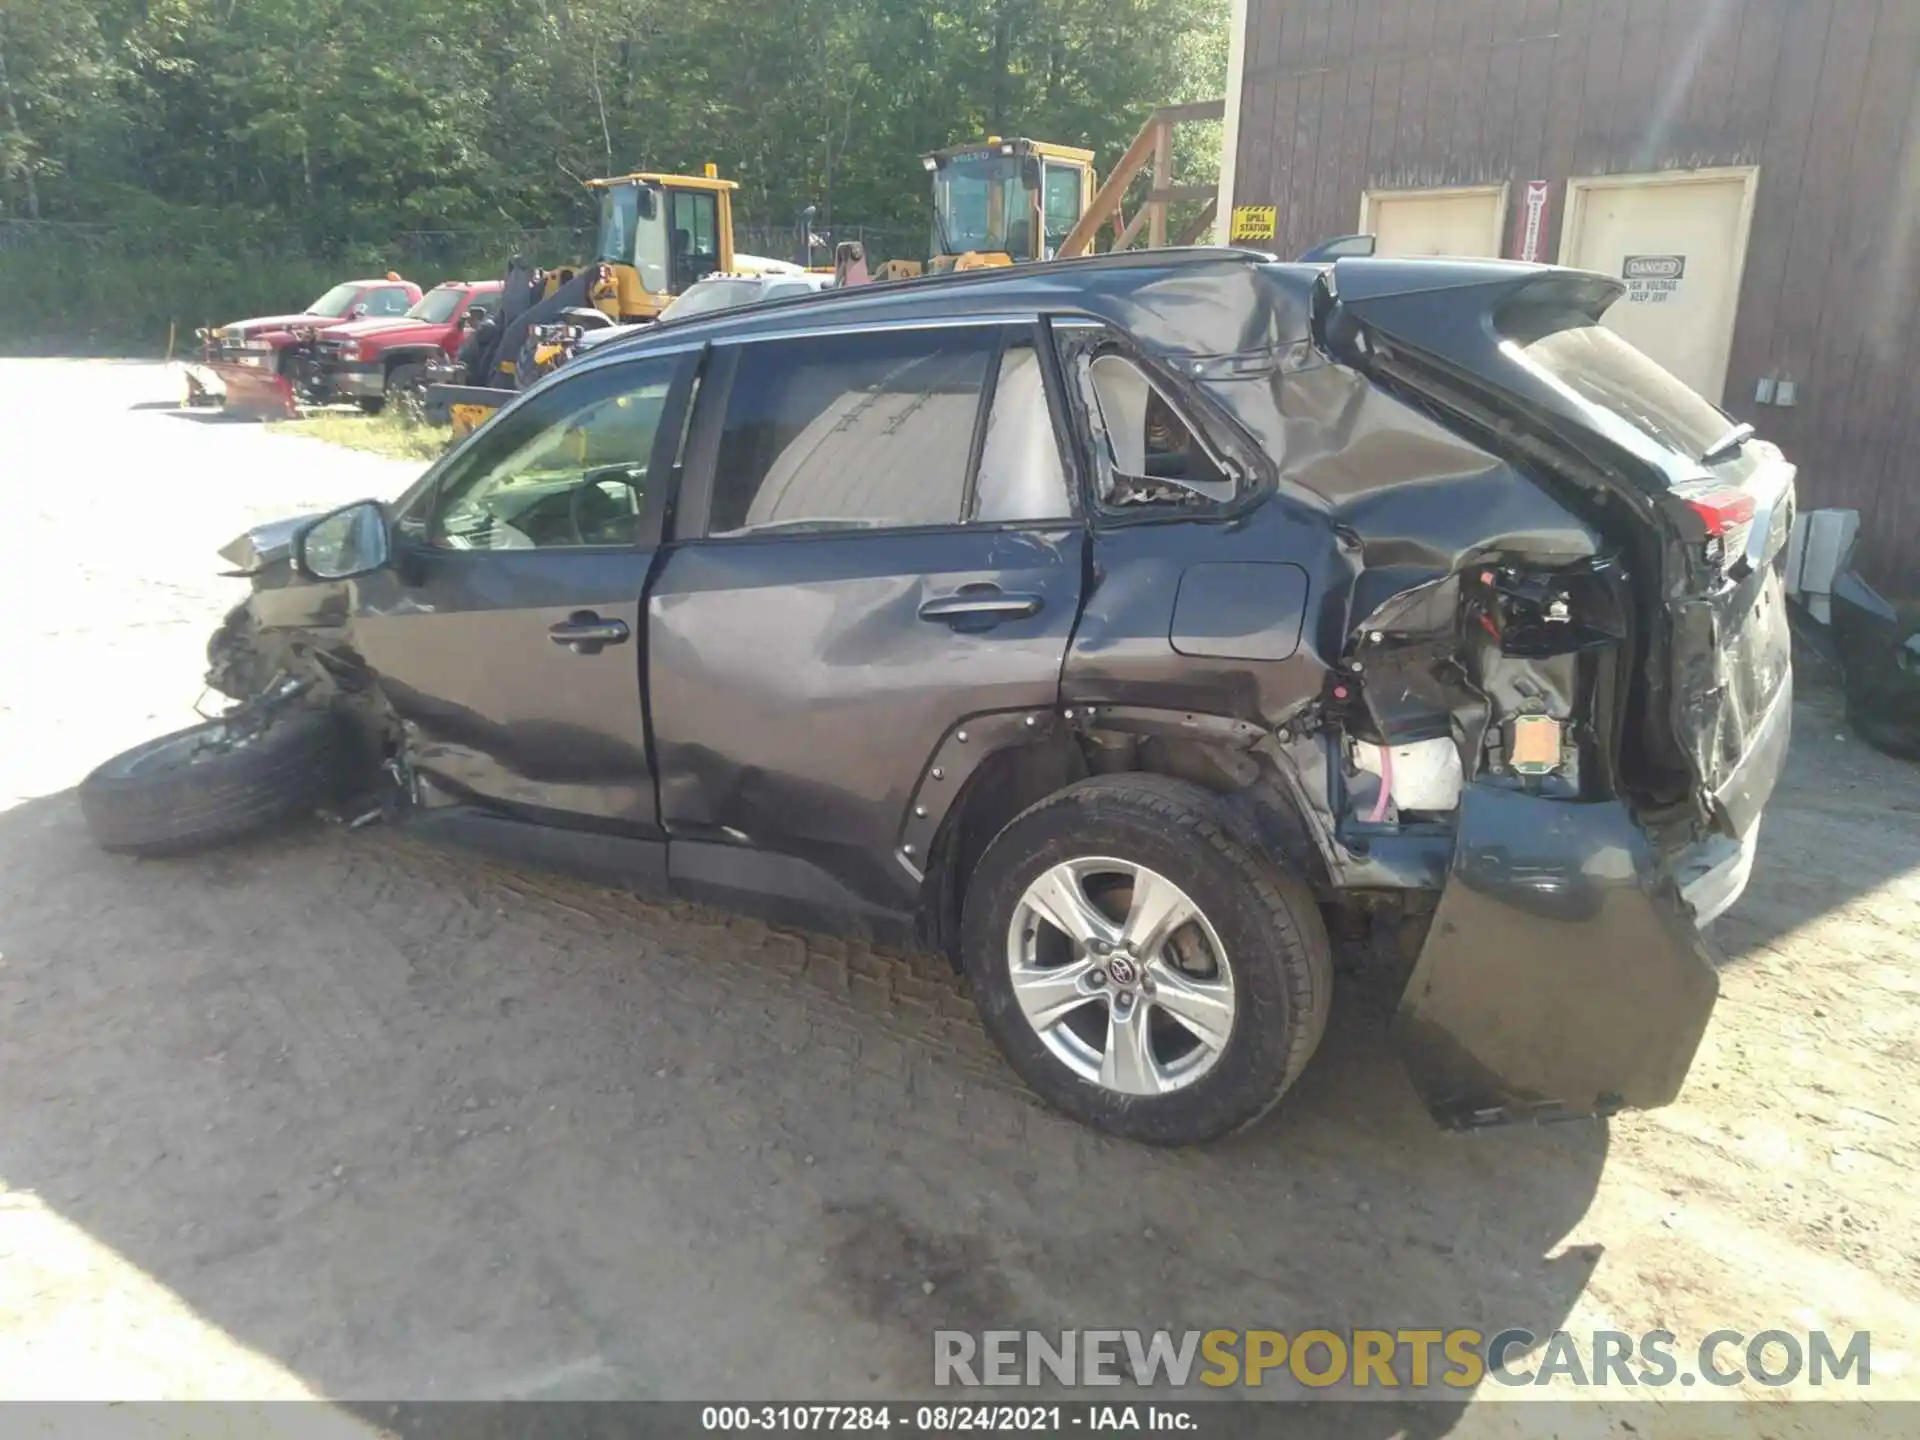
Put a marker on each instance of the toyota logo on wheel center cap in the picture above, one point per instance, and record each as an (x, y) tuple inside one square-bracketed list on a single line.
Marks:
[(1122, 970)]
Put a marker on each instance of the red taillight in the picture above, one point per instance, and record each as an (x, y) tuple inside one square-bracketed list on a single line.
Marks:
[(1722, 511)]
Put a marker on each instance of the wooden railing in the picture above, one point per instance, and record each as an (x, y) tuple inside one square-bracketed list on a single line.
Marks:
[(1152, 146)]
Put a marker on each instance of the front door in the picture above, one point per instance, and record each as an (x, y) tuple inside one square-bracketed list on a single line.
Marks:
[(1679, 243), (885, 545), (508, 633)]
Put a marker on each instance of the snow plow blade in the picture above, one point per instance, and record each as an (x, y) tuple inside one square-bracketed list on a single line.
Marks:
[(1570, 983), (255, 393)]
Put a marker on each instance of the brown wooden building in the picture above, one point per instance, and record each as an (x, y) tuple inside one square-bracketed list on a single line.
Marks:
[(1751, 168)]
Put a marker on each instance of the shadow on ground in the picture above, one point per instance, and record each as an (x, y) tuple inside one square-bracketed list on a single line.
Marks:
[(200, 414), (419, 1128)]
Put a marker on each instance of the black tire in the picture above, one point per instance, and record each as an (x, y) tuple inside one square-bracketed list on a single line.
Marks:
[(407, 392), (154, 800), (372, 404), (1879, 730), (1267, 922), (403, 381)]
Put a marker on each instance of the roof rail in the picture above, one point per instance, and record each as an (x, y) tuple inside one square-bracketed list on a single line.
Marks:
[(830, 297), (1170, 258)]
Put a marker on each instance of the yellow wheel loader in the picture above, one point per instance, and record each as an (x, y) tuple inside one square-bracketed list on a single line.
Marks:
[(1010, 202), (1000, 202), (658, 234)]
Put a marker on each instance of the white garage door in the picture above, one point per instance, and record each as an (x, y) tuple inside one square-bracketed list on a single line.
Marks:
[(1463, 221), (1679, 242)]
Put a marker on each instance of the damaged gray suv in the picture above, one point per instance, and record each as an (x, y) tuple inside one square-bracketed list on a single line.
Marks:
[(1107, 626)]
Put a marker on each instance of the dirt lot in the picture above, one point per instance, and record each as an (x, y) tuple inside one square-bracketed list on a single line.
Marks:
[(342, 1115)]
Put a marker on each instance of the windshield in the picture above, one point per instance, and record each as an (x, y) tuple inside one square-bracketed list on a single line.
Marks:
[(335, 302), (436, 307), (710, 295), (631, 232), (981, 203), (619, 218)]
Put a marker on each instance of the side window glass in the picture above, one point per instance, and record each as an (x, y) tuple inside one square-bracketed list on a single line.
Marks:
[(1060, 203), (389, 301), (567, 469), (860, 431), (652, 254), (1154, 456), (696, 227), (1021, 477)]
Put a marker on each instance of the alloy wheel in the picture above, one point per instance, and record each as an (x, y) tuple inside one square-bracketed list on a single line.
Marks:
[(1121, 976)]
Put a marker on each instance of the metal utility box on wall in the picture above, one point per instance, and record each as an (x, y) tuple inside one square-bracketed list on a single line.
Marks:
[(1750, 169)]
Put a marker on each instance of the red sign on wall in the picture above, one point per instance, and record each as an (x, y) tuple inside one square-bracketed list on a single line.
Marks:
[(1530, 225)]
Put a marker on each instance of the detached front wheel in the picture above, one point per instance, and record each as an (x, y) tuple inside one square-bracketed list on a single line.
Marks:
[(1140, 967), (213, 783)]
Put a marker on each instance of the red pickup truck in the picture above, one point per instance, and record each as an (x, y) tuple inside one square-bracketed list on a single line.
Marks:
[(266, 365), (366, 360)]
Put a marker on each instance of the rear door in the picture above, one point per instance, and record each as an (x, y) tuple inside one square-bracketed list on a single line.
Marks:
[(883, 548), (508, 635)]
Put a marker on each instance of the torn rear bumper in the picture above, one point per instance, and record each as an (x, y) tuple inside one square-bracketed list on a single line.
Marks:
[(1564, 974)]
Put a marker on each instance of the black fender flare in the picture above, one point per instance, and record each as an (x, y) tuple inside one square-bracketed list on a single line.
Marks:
[(965, 747), (937, 835), (1259, 790)]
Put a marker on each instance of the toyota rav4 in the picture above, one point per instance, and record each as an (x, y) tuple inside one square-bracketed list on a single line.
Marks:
[(1107, 626)]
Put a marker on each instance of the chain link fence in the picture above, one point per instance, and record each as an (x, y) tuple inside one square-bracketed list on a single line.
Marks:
[(432, 251), (784, 242), (199, 272)]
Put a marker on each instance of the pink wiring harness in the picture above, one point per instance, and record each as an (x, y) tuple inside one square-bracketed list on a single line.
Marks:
[(1386, 785)]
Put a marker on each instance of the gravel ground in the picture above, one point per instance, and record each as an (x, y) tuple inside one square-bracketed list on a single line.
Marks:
[(342, 1115)]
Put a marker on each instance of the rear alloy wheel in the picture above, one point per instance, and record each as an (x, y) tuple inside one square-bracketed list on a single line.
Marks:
[(1140, 967), (1121, 976)]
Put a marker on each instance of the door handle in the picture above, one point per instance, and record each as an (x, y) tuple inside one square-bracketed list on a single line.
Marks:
[(980, 603), (585, 633)]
